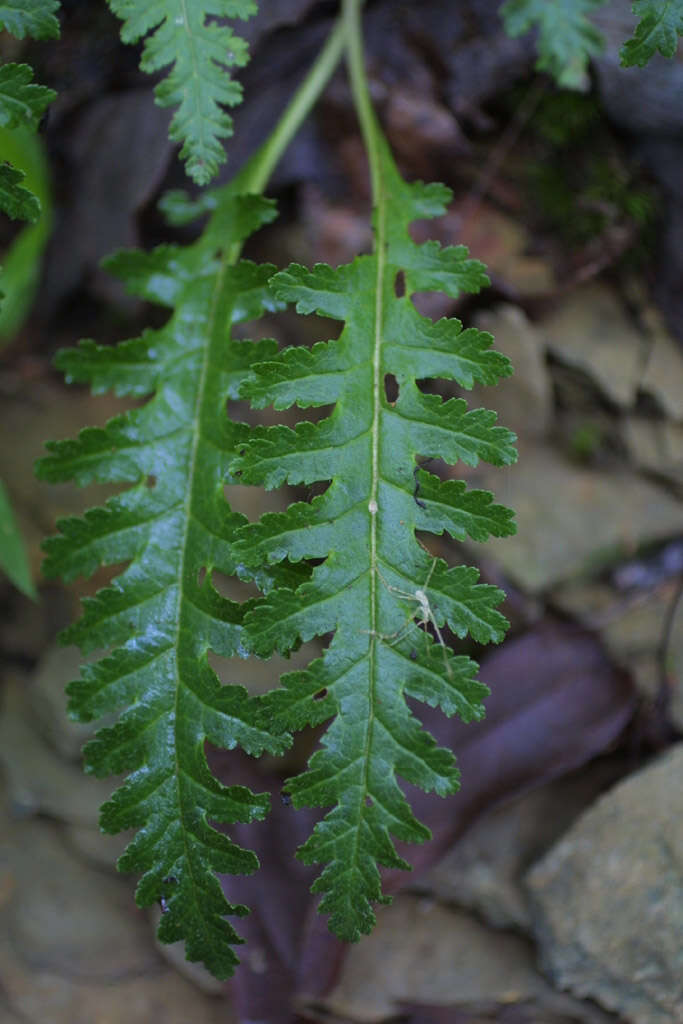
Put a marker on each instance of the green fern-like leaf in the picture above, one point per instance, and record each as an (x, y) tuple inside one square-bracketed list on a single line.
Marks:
[(375, 578), (22, 104), (16, 201), (567, 39), (200, 50), (162, 616), (21, 101), (34, 18), (660, 24)]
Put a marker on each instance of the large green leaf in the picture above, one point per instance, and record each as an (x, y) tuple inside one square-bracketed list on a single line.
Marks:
[(201, 49), (162, 616), (375, 583), (660, 24)]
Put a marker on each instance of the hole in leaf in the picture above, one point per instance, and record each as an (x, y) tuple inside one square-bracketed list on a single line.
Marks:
[(151, 481), (437, 467), (257, 675), (317, 488), (433, 305), (369, 801), (307, 492), (439, 386), (390, 388), (400, 285), (427, 540), (233, 588), (240, 411), (317, 413), (321, 694), (253, 501), (102, 578)]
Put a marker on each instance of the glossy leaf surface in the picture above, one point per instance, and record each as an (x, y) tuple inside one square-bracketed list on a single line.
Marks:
[(376, 582), (160, 618)]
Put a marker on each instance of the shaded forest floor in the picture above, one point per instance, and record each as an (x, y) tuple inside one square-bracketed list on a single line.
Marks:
[(552, 890)]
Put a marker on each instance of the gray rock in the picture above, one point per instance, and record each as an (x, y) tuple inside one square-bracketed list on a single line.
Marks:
[(571, 519), (655, 446), (524, 402), (631, 627), (38, 780), (608, 898), (424, 953), (74, 949), (663, 377), (484, 870), (96, 847), (68, 918), (47, 701), (30, 414), (591, 330)]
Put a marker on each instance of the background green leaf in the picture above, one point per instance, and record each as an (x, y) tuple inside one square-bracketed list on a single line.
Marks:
[(18, 202), (200, 49), (30, 18), (22, 102), (660, 24), (567, 39), (13, 558), (22, 262)]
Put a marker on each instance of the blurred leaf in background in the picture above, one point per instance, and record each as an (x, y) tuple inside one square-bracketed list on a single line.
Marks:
[(21, 263), (13, 559)]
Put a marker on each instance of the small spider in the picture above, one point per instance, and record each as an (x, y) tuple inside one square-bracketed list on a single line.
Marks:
[(426, 616)]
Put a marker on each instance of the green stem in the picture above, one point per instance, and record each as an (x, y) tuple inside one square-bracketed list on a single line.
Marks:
[(254, 177), (361, 94)]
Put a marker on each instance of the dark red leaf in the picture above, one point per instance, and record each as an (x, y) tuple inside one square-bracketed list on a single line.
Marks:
[(556, 702)]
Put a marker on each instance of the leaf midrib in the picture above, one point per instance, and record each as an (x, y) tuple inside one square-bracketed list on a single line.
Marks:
[(197, 431)]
